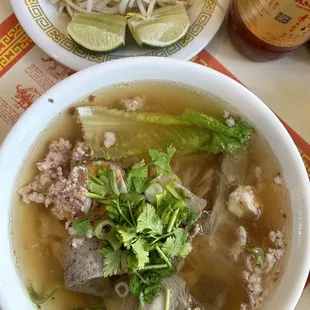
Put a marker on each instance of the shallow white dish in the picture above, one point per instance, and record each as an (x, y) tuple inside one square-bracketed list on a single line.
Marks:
[(47, 28), (28, 128)]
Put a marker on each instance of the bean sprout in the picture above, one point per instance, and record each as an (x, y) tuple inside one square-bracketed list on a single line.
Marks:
[(144, 7)]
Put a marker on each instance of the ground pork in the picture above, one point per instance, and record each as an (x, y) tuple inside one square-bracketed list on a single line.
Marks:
[(239, 245), (57, 185), (67, 196), (109, 139), (254, 288), (80, 153), (133, 104), (253, 277), (58, 156), (277, 238)]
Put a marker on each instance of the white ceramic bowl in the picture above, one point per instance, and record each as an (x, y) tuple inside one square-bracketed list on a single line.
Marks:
[(39, 115)]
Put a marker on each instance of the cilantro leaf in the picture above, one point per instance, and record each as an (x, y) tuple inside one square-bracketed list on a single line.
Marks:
[(127, 235), (111, 237), (137, 178), (82, 227), (177, 245), (225, 144), (113, 212), (162, 160), (147, 290), (132, 198), (96, 188), (112, 262), (140, 248), (149, 222), (132, 262)]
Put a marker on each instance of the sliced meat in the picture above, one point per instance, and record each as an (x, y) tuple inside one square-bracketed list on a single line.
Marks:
[(83, 273), (180, 297), (195, 203), (83, 267)]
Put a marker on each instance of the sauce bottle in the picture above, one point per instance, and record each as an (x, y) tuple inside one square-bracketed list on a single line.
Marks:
[(265, 30)]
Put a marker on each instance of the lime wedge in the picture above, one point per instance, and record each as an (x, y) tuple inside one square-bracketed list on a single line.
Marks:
[(100, 33), (166, 26)]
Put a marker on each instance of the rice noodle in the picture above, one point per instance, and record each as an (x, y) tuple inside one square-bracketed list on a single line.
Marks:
[(144, 7)]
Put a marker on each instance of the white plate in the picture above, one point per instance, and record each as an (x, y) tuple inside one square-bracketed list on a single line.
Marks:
[(47, 28)]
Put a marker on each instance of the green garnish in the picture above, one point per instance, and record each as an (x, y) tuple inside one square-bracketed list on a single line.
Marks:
[(102, 228), (149, 222), (258, 253), (162, 160), (92, 308), (137, 178), (163, 256), (147, 289), (82, 227), (138, 132), (142, 238), (38, 300), (112, 261), (176, 245), (167, 301)]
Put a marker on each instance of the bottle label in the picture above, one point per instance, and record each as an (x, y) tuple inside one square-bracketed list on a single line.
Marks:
[(283, 23)]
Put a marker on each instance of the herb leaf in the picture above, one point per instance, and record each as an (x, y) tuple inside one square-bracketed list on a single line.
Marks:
[(127, 235), (162, 160), (111, 237), (176, 245), (36, 299), (137, 178), (82, 227), (140, 248), (149, 222), (132, 198), (111, 262), (147, 289), (96, 188)]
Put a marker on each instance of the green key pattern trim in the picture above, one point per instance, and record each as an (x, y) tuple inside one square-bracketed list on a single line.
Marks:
[(46, 25)]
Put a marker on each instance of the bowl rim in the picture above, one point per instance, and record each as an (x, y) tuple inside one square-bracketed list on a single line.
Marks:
[(81, 84)]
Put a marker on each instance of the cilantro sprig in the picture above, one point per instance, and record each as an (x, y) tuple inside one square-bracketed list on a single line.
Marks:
[(147, 236)]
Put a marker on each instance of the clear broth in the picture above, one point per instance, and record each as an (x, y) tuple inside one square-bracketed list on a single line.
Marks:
[(37, 234)]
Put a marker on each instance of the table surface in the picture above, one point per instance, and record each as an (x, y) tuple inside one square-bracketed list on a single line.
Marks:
[(283, 85)]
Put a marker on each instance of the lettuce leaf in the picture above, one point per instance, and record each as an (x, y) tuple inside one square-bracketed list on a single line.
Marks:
[(137, 132)]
